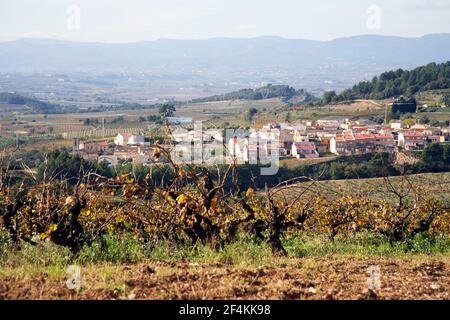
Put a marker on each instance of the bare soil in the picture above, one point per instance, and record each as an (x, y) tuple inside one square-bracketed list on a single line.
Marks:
[(309, 278)]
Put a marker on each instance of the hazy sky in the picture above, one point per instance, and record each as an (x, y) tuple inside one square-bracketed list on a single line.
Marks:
[(135, 20)]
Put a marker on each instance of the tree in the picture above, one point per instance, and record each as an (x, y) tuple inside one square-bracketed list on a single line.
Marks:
[(328, 97), (288, 117), (434, 156), (270, 91), (394, 83), (424, 120), (248, 115), (409, 122), (434, 123), (446, 100), (154, 118), (118, 120), (167, 110), (402, 106)]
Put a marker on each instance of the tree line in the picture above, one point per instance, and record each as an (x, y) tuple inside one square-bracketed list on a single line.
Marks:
[(270, 91), (35, 105), (389, 84)]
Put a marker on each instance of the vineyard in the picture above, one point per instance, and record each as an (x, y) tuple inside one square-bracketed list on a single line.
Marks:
[(194, 206), (69, 131), (189, 211), (433, 185)]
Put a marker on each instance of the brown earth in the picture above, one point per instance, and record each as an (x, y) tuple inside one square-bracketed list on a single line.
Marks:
[(309, 278)]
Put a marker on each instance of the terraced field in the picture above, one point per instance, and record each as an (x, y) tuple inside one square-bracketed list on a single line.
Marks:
[(435, 185)]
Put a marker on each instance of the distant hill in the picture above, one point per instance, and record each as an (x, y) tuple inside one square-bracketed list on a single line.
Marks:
[(389, 84), (36, 106), (270, 91), (335, 63)]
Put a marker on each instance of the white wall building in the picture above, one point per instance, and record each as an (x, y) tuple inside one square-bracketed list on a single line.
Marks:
[(238, 149), (123, 139)]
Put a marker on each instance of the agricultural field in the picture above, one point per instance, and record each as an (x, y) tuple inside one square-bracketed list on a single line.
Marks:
[(443, 115), (11, 109), (436, 185), (311, 278), (16, 122), (72, 125), (216, 114), (361, 106), (359, 110), (293, 162), (431, 97), (191, 242), (154, 248)]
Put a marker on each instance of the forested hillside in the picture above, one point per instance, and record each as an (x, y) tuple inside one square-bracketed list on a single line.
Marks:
[(394, 83), (34, 104), (270, 91)]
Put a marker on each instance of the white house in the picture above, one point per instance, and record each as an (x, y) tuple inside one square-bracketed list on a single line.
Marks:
[(126, 138), (136, 139), (396, 125), (412, 140), (197, 136), (122, 139), (304, 150), (238, 149)]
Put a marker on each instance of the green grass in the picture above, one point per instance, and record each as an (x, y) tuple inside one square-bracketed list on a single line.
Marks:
[(114, 250), (32, 260), (246, 251), (367, 245)]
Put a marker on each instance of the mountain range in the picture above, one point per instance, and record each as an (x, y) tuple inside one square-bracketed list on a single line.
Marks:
[(340, 62)]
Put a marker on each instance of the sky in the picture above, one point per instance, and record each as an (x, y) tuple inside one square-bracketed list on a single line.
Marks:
[(140, 20)]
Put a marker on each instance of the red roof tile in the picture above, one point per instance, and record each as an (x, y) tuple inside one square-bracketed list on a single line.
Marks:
[(412, 134)]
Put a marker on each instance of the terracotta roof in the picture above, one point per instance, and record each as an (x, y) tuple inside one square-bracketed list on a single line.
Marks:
[(412, 134), (126, 135), (384, 136), (304, 146), (359, 137), (364, 136)]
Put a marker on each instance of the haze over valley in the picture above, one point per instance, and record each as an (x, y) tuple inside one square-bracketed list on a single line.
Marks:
[(152, 71)]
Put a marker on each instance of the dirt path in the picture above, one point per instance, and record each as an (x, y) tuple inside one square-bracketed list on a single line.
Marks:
[(318, 278)]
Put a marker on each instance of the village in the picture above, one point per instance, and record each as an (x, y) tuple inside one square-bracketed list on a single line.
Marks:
[(309, 140)]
